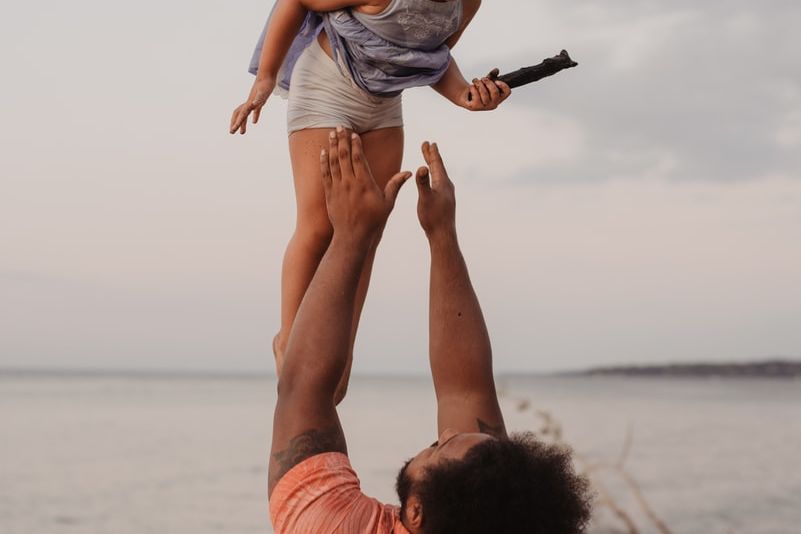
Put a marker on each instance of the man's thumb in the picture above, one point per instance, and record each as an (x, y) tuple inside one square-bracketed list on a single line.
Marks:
[(394, 185), (423, 179)]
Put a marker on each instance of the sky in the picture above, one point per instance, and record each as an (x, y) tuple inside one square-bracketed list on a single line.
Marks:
[(644, 207)]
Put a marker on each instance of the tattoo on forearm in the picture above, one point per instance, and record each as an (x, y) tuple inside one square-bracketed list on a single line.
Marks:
[(303, 446), (486, 428)]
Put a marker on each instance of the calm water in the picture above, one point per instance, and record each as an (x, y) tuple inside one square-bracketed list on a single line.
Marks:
[(120, 455)]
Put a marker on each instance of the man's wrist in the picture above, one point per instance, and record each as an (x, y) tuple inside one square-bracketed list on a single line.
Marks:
[(355, 241), (443, 236)]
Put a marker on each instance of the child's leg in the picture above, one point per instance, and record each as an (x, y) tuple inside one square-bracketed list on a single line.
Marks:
[(312, 229), (384, 151)]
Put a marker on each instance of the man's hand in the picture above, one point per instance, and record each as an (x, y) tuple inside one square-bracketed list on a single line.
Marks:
[(357, 207), (259, 93), (436, 205)]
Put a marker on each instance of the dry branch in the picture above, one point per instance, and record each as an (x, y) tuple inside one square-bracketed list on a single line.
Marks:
[(535, 73), (526, 75)]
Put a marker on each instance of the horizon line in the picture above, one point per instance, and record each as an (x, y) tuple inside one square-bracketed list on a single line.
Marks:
[(262, 373)]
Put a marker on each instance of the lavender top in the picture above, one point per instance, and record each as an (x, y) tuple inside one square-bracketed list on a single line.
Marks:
[(401, 47)]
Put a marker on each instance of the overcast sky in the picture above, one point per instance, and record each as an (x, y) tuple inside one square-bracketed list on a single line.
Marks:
[(644, 207)]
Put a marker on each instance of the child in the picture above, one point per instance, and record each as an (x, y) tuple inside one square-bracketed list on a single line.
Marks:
[(345, 63)]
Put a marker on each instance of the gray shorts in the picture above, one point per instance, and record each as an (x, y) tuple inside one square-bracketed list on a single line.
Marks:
[(322, 96)]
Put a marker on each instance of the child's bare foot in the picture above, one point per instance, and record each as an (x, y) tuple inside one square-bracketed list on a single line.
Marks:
[(278, 352)]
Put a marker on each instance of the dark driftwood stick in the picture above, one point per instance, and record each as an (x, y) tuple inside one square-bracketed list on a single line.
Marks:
[(526, 75), (548, 67)]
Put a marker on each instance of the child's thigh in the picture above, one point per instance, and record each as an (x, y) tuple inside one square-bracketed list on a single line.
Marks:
[(384, 151), (304, 153)]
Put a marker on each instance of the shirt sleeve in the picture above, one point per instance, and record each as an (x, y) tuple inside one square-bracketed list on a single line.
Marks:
[(322, 495)]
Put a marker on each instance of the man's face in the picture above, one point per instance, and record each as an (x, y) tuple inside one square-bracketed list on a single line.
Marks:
[(451, 445)]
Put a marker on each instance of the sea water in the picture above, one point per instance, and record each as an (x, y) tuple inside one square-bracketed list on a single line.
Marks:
[(133, 454)]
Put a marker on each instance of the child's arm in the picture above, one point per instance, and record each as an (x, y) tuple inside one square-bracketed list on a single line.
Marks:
[(285, 23), (481, 95)]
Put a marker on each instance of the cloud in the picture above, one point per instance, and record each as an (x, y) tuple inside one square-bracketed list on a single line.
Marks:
[(501, 144), (789, 133), (697, 91), (642, 206)]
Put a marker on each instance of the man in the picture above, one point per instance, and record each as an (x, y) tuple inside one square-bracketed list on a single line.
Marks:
[(474, 478)]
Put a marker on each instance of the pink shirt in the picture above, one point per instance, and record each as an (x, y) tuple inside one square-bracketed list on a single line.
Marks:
[(322, 495)]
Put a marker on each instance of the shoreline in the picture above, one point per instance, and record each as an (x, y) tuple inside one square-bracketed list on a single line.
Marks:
[(774, 369), (778, 369)]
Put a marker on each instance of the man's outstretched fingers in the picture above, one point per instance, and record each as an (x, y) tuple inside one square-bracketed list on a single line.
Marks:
[(333, 156), (428, 156), (394, 185), (423, 179), (325, 167), (345, 163), (434, 160), (426, 148), (361, 166)]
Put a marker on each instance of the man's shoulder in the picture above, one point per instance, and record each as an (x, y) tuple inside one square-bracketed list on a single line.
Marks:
[(321, 471), (304, 446), (323, 493)]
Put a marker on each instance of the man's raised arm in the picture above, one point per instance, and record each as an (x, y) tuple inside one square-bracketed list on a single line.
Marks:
[(306, 422), (459, 345)]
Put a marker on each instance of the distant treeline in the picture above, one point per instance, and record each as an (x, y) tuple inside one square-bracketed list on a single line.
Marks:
[(764, 369)]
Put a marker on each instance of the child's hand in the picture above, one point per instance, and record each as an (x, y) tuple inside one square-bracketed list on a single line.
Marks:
[(261, 90), (485, 94)]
